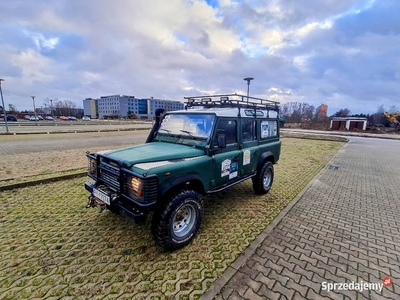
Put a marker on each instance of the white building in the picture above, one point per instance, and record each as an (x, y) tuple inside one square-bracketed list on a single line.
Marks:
[(90, 108), (117, 106), (349, 123)]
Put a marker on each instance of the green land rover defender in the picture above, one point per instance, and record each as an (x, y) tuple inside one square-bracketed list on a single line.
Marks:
[(215, 143)]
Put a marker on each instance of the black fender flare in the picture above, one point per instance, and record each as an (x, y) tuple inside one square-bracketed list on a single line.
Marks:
[(179, 180), (264, 156)]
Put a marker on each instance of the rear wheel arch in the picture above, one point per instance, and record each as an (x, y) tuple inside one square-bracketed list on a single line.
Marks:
[(264, 157)]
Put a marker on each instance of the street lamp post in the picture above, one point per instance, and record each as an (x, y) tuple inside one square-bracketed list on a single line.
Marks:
[(51, 104), (34, 109), (248, 79), (4, 108)]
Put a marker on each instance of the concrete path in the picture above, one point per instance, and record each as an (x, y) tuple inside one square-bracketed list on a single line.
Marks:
[(344, 227)]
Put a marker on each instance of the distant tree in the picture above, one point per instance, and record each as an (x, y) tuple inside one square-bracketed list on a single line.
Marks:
[(12, 108), (360, 115), (64, 108), (296, 111), (344, 112), (393, 109), (379, 116), (47, 102)]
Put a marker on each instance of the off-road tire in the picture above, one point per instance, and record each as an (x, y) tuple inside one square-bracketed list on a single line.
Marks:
[(176, 222), (262, 182)]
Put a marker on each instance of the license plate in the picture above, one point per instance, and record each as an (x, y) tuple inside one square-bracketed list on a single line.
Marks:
[(102, 196)]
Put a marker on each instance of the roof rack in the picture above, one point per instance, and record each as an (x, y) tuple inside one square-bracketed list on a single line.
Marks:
[(231, 100)]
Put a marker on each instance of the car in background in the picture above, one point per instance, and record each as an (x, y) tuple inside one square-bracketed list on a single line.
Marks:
[(63, 118), (48, 118), (86, 118), (27, 117), (40, 118), (33, 118), (72, 118), (11, 118)]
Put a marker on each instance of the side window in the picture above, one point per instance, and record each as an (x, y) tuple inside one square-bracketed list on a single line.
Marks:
[(229, 128), (269, 129), (249, 130)]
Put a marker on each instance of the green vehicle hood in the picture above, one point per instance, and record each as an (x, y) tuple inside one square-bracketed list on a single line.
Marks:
[(151, 152)]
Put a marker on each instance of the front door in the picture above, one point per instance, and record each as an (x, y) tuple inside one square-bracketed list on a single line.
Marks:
[(226, 161)]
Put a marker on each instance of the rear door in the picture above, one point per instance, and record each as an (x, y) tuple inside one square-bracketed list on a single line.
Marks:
[(250, 150), (269, 138)]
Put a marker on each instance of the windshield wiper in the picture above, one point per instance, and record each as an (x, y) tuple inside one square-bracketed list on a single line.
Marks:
[(189, 133), (168, 131)]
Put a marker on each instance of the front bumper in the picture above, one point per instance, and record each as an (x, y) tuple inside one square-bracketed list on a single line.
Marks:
[(118, 204)]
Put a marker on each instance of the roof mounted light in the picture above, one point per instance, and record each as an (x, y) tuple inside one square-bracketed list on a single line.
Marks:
[(224, 98)]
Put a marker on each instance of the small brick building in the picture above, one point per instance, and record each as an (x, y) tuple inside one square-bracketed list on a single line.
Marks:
[(349, 123)]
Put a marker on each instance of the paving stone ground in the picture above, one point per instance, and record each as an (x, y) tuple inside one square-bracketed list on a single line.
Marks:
[(344, 228), (52, 247)]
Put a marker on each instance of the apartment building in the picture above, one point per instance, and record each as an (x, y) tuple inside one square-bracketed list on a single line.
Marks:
[(122, 106)]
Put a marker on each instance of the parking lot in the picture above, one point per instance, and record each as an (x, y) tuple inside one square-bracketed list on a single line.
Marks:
[(23, 126), (53, 247)]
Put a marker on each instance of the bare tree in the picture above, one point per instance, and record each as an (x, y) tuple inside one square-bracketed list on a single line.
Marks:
[(296, 111), (12, 108), (393, 109), (64, 107), (379, 116)]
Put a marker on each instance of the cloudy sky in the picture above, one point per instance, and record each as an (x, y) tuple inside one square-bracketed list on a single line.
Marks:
[(344, 53)]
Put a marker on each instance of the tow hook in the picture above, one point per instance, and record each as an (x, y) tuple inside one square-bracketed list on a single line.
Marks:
[(93, 202)]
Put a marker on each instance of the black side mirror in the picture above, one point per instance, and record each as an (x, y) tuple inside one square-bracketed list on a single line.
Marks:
[(221, 141)]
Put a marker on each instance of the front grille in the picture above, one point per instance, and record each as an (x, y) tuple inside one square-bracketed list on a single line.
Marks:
[(92, 166), (109, 174), (150, 189)]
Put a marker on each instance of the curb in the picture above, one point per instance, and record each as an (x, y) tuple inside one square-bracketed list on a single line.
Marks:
[(316, 137), (41, 181), (218, 285)]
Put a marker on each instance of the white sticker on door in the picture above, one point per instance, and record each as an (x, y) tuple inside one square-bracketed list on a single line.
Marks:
[(225, 167), (246, 157), (233, 171)]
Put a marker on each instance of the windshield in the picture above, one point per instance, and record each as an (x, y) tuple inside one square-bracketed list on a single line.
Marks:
[(192, 125)]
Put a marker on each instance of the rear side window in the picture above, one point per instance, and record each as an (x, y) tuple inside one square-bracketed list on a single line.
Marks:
[(249, 130), (269, 129)]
